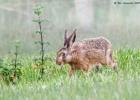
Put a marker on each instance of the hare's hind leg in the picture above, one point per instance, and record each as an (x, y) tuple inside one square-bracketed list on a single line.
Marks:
[(109, 60), (97, 66)]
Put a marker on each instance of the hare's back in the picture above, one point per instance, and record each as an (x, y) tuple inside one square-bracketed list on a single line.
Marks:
[(97, 43)]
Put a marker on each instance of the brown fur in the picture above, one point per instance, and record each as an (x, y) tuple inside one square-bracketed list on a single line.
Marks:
[(81, 55)]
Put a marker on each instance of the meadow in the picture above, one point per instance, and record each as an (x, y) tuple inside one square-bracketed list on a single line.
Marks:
[(31, 27), (105, 84)]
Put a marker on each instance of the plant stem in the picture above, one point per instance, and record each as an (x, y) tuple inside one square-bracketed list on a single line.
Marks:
[(15, 64), (42, 48)]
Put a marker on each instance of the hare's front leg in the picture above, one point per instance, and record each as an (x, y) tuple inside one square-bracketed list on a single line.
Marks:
[(86, 69), (71, 70)]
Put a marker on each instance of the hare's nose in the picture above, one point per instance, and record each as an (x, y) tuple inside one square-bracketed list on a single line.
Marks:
[(58, 63)]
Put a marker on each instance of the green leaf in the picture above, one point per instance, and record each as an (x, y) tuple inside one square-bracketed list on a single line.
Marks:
[(47, 43), (38, 9), (37, 42), (37, 20), (37, 32)]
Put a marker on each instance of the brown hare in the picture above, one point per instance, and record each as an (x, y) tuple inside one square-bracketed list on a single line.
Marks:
[(82, 54)]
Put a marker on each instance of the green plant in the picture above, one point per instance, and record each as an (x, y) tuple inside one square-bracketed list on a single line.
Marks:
[(16, 64), (38, 10), (10, 71)]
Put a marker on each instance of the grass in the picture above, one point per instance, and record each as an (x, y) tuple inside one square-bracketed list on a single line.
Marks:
[(56, 85)]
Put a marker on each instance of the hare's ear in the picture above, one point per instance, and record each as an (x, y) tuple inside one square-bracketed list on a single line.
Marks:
[(65, 38), (71, 38), (74, 35)]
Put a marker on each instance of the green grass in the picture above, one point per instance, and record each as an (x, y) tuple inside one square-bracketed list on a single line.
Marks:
[(56, 85)]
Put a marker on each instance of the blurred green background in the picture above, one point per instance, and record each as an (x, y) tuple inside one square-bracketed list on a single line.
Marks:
[(119, 23)]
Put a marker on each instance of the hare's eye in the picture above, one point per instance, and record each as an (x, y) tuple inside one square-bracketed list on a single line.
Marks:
[(63, 55)]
